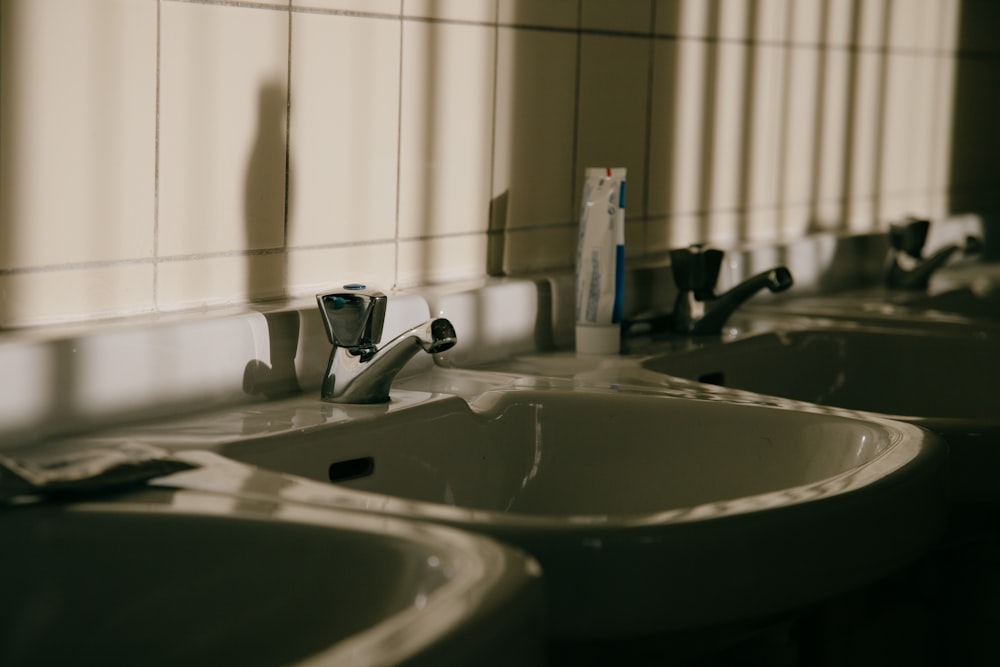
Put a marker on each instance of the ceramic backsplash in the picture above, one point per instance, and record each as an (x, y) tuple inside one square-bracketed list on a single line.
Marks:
[(158, 155)]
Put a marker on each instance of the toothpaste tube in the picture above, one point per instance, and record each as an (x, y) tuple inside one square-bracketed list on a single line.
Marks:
[(600, 262)]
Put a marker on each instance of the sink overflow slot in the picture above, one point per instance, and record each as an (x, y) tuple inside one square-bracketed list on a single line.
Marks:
[(717, 378), (341, 471)]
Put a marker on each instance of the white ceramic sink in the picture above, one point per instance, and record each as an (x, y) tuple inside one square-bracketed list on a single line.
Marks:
[(964, 294), (945, 380), (194, 578), (963, 301), (650, 515)]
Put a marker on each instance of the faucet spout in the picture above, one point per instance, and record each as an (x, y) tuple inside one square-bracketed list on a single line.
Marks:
[(907, 273), (718, 310), (697, 310), (908, 268), (365, 374), (359, 371)]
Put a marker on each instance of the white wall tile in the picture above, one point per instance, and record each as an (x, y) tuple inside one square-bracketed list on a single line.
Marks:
[(688, 18), (733, 20), (759, 174), (533, 146), (942, 103), (666, 109), (913, 24), (551, 13), (838, 22), (314, 268), (799, 126), (441, 259), (446, 133), (805, 21), (727, 131), (533, 250), (612, 112), (897, 138), (863, 151), (947, 36), (622, 15), (387, 7), (461, 10), (40, 297), (758, 123), (677, 129), (77, 131), (800, 131), (223, 95), (871, 23), (833, 149), (225, 279), (343, 130)]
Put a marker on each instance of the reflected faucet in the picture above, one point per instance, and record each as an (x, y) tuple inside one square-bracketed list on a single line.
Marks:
[(359, 371), (697, 309), (908, 268)]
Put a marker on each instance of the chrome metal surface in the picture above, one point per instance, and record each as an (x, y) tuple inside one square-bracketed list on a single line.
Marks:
[(697, 310), (359, 371)]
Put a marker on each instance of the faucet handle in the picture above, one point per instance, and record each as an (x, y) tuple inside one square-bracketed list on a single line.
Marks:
[(909, 236), (353, 316), (696, 269)]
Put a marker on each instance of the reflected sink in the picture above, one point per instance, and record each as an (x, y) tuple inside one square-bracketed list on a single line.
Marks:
[(942, 380), (650, 514), (192, 578)]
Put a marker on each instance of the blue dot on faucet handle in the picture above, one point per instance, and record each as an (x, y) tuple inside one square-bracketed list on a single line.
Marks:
[(354, 286)]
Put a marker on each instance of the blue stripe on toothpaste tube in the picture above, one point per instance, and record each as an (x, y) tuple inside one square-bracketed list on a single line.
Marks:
[(600, 261)]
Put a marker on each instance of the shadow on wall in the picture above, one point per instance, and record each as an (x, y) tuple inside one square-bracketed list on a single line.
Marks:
[(265, 217), (975, 154), (9, 120), (532, 224), (264, 197)]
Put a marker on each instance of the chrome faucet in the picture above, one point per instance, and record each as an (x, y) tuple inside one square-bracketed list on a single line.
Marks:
[(359, 371), (908, 268), (697, 309)]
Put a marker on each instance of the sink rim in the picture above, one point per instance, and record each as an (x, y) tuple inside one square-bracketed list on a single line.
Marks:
[(484, 579), (611, 554), (876, 308), (800, 328), (903, 494), (906, 446)]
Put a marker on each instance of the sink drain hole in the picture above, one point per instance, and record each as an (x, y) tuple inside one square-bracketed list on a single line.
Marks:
[(341, 471), (717, 378)]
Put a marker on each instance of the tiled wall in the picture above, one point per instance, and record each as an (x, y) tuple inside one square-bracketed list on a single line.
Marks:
[(158, 155)]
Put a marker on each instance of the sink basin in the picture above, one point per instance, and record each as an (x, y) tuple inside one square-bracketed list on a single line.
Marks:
[(193, 578), (964, 295), (962, 301), (942, 380), (651, 515)]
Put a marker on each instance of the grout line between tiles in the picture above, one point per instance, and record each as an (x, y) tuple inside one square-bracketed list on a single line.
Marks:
[(399, 153), (156, 162)]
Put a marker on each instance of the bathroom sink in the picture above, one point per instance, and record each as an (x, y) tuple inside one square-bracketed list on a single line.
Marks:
[(964, 294), (160, 577), (959, 308), (651, 515), (963, 301), (945, 380)]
